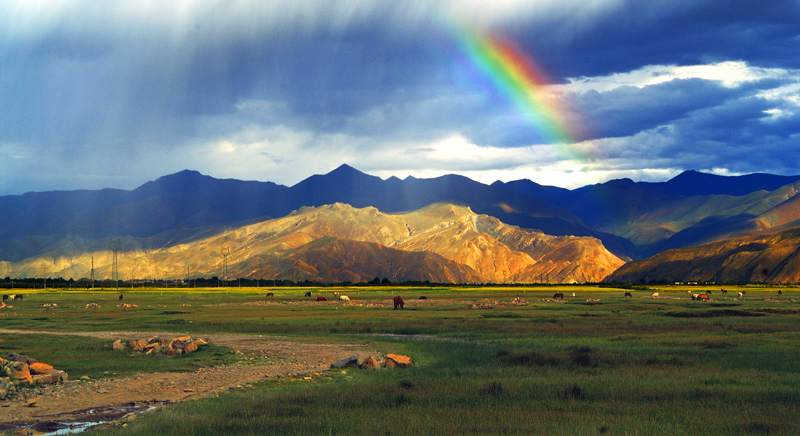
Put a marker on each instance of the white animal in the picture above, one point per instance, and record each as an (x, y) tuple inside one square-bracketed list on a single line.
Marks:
[(654, 294), (344, 298), (741, 295)]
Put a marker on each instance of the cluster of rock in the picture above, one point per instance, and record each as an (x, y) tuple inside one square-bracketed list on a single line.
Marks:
[(157, 345), (491, 304), (20, 369), (5, 306), (127, 305), (92, 306), (50, 305), (391, 361)]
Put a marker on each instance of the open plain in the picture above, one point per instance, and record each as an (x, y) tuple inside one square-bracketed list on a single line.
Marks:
[(510, 360)]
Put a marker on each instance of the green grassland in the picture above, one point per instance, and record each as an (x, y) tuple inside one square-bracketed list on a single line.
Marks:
[(597, 363)]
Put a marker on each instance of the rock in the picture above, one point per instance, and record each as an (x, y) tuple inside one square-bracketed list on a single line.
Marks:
[(40, 368), (118, 345), (369, 363), (46, 379), (32, 402), (23, 375), (397, 360), (14, 357), (345, 363), (190, 347)]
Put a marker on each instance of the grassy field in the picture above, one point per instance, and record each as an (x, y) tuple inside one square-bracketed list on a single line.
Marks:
[(597, 363)]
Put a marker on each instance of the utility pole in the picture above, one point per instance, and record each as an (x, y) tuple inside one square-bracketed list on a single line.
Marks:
[(114, 246), (225, 251)]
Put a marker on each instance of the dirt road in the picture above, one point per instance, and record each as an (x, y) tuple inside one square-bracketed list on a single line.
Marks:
[(71, 401)]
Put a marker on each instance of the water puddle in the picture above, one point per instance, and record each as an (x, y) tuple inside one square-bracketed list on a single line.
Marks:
[(82, 420)]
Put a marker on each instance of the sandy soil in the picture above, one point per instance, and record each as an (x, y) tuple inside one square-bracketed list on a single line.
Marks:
[(272, 357)]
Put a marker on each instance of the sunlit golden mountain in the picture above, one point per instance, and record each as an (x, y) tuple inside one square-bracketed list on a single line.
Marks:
[(335, 243)]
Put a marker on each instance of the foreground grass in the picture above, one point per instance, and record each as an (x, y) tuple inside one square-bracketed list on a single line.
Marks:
[(666, 366)]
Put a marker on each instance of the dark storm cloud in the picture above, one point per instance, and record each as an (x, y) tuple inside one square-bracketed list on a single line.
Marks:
[(85, 83)]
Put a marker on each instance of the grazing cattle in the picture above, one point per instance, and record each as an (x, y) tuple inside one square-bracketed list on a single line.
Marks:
[(423, 298), (398, 302), (558, 296), (344, 298), (18, 297), (270, 294), (120, 297), (307, 294), (654, 294), (703, 297), (628, 295), (5, 297), (321, 298)]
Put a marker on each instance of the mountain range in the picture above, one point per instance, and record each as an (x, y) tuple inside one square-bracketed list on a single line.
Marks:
[(351, 226)]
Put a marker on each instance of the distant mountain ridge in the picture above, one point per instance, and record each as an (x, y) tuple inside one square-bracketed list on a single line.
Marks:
[(631, 219)]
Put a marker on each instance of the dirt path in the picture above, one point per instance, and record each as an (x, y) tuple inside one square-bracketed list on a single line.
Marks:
[(71, 401)]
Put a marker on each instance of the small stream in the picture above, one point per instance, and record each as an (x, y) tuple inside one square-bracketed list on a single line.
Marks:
[(82, 420)]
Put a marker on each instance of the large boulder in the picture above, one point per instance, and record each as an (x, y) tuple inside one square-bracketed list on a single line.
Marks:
[(369, 363), (22, 374), (346, 363), (39, 368), (397, 361)]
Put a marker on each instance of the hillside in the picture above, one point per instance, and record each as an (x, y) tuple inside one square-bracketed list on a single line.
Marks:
[(771, 258), (439, 243)]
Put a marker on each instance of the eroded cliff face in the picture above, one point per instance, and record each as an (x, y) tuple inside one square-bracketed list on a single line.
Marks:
[(440, 243)]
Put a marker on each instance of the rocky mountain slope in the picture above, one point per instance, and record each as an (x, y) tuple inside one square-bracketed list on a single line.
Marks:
[(771, 258), (334, 243)]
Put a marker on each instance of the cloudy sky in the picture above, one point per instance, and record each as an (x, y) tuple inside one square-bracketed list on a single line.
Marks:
[(115, 93)]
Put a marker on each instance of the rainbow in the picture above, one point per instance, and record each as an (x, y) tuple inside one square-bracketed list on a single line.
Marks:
[(516, 77)]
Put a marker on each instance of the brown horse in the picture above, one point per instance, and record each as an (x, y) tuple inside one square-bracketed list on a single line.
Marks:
[(628, 295), (558, 296), (702, 297), (321, 298), (398, 301)]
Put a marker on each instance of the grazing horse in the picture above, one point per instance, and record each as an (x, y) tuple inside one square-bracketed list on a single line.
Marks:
[(628, 295), (558, 296), (703, 297), (18, 297), (779, 292), (120, 297), (321, 298), (423, 298), (307, 294), (724, 291), (270, 294), (344, 298), (398, 301), (5, 297)]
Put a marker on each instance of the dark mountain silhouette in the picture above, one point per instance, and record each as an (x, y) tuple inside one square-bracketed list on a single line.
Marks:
[(691, 183)]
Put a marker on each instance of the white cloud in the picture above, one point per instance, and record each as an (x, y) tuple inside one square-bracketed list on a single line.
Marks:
[(729, 74)]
